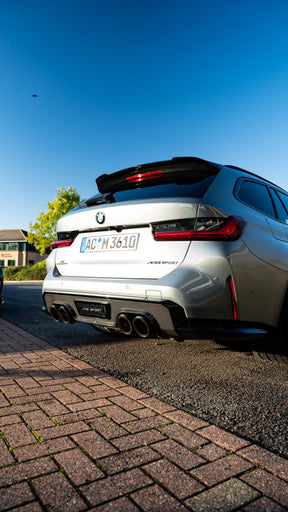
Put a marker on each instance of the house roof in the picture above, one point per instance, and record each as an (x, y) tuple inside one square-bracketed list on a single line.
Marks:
[(13, 235)]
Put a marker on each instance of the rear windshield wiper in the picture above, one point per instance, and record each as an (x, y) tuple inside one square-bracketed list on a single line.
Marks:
[(104, 198)]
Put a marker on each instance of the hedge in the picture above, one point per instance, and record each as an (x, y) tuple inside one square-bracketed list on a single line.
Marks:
[(28, 273)]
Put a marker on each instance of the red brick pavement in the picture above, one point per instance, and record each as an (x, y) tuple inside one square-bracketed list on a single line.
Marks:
[(72, 438)]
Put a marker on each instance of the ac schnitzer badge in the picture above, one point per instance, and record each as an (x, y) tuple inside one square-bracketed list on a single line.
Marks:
[(100, 217)]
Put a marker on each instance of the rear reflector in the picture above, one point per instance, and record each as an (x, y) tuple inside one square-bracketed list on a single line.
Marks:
[(61, 243), (151, 175), (233, 298), (228, 229)]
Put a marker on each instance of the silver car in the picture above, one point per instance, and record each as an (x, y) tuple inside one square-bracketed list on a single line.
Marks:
[(173, 247)]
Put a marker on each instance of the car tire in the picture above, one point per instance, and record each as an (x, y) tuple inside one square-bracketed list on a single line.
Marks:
[(275, 347), (270, 351)]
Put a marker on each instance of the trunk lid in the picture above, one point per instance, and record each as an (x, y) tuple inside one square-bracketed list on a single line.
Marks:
[(125, 247), (113, 232)]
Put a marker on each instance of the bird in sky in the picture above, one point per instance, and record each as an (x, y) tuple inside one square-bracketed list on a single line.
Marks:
[(34, 95)]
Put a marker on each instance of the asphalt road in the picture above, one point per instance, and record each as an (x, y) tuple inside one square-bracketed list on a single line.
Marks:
[(222, 382)]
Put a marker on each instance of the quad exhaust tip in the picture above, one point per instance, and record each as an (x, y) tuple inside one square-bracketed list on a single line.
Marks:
[(124, 324), (62, 313), (140, 324), (54, 313), (143, 325)]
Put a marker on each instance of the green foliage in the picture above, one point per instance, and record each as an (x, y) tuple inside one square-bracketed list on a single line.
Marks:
[(42, 233), (9, 273), (35, 272)]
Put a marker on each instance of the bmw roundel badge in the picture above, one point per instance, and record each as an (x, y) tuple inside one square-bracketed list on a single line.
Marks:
[(100, 217)]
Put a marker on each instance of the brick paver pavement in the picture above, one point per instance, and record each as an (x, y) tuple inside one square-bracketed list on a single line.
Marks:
[(72, 438)]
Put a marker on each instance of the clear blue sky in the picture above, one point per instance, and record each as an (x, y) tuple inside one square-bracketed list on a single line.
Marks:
[(123, 82)]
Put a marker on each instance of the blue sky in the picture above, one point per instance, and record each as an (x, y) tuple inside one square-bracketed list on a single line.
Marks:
[(122, 82)]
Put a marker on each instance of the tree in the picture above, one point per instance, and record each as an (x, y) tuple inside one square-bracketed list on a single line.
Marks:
[(42, 233)]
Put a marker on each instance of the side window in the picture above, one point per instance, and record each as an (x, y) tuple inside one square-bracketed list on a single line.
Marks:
[(256, 195), (281, 208), (284, 199)]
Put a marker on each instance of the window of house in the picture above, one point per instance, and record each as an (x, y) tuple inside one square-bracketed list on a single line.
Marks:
[(11, 263), (2, 263), (8, 246)]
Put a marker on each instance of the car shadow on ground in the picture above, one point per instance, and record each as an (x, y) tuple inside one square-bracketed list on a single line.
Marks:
[(266, 348)]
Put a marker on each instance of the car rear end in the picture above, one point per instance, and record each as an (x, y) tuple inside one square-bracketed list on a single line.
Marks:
[(149, 254)]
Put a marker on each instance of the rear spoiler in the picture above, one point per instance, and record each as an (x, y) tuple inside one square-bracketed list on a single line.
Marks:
[(176, 168)]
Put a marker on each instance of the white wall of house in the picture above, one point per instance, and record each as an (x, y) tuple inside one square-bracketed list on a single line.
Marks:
[(19, 258)]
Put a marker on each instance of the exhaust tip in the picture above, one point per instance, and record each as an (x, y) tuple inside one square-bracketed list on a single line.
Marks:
[(66, 314), (55, 313), (124, 324), (62, 313), (141, 326)]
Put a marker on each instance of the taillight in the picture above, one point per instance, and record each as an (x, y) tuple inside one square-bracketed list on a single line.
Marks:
[(150, 175), (61, 243), (64, 239), (228, 229)]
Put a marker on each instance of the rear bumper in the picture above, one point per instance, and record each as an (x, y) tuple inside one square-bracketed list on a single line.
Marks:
[(165, 317), (173, 303), (170, 303)]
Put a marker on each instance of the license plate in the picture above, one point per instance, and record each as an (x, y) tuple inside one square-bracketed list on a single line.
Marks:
[(110, 243), (95, 309)]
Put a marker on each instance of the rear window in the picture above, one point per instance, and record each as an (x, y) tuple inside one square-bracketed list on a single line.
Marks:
[(183, 188), (166, 190)]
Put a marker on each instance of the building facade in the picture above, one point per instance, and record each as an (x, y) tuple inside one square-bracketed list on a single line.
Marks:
[(15, 250)]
